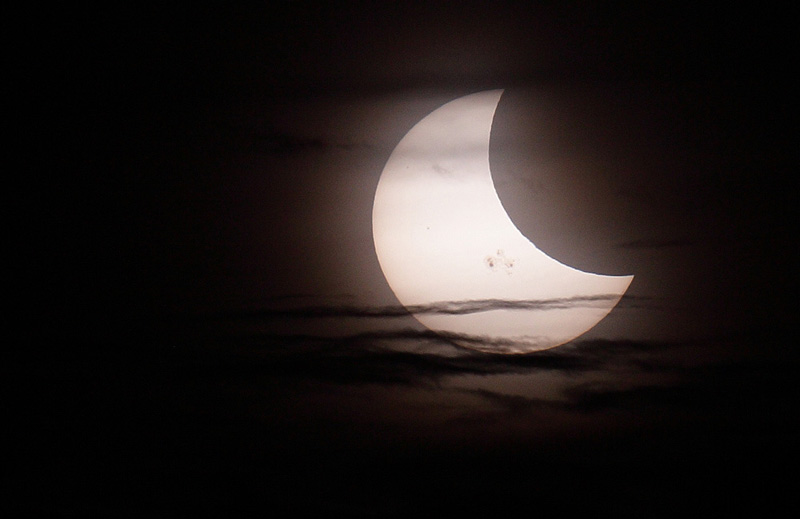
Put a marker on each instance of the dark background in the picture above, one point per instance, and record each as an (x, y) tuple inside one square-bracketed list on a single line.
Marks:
[(165, 227)]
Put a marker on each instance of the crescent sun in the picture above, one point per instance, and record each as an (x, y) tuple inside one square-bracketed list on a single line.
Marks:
[(454, 258)]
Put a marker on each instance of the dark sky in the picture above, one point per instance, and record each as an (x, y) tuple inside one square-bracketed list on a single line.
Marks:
[(204, 327)]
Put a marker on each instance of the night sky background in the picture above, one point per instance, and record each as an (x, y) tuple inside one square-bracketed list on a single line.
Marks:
[(200, 326)]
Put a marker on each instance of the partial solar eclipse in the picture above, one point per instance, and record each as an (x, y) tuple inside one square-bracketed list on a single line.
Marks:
[(454, 258)]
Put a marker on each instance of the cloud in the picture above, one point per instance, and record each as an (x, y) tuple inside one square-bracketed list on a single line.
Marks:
[(633, 381), (514, 404), (384, 315), (424, 358), (441, 307), (753, 396)]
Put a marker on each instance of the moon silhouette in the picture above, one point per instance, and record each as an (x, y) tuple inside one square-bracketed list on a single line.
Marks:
[(454, 258)]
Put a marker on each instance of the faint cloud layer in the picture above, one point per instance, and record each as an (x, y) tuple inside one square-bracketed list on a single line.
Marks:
[(317, 316), (442, 307), (597, 379), (422, 357), (698, 389)]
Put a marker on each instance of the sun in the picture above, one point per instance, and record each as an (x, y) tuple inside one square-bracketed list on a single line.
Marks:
[(442, 236)]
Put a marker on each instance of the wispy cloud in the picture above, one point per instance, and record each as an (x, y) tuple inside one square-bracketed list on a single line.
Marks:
[(707, 388), (441, 307), (422, 357), (514, 404), (417, 376)]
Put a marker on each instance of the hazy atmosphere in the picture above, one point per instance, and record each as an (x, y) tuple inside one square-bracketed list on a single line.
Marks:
[(203, 327)]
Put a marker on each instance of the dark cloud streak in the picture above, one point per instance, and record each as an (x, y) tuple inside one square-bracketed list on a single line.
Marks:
[(443, 307), (422, 357), (738, 391)]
